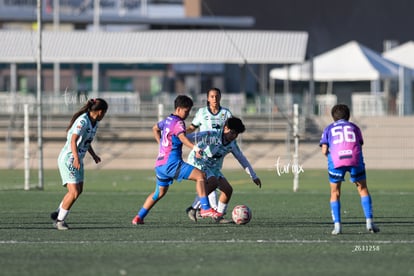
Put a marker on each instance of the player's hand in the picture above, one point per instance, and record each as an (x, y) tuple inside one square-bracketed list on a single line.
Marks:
[(198, 152), (258, 182), (97, 159), (76, 163)]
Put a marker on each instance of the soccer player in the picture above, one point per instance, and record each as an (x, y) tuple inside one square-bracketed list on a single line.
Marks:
[(170, 134), (342, 142), (215, 145), (210, 117), (80, 133)]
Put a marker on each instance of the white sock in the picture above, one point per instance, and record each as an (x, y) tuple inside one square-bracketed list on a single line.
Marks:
[(369, 223), (222, 207), (212, 198), (60, 207), (62, 214), (196, 203), (337, 225)]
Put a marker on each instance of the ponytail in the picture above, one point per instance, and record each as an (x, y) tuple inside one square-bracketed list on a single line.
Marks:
[(94, 104)]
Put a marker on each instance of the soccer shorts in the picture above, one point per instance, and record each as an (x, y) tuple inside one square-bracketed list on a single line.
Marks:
[(178, 170), (338, 174), (210, 172), (68, 173)]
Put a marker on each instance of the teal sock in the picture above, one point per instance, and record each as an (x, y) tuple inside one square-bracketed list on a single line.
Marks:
[(205, 205), (336, 211), (142, 213), (366, 203)]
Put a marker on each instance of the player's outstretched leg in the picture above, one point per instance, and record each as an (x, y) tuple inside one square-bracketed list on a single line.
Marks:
[(152, 199)]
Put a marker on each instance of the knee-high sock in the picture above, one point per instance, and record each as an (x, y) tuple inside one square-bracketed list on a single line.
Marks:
[(366, 203), (336, 211)]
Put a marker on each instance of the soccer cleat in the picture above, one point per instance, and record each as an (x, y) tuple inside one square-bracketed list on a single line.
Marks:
[(61, 225), (54, 215), (219, 215), (336, 231), (372, 228), (209, 213), (222, 220), (191, 213), (198, 215), (137, 220), (225, 221)]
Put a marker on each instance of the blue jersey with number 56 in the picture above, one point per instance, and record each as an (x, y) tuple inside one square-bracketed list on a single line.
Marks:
[(344, 141)]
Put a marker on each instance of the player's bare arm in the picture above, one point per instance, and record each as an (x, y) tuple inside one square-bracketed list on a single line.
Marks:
[(157, 133), (325, 149), (191, 129), (95, 157), (74, 149), (186, 142)]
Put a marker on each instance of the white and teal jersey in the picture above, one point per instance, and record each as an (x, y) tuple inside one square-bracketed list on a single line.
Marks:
[(205, 120), (214, 151), (86, 132)]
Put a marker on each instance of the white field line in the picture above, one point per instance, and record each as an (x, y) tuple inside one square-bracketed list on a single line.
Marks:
[(359, 242)]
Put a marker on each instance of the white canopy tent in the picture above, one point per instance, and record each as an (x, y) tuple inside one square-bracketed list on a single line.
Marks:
[(349, 62), (403, 54)]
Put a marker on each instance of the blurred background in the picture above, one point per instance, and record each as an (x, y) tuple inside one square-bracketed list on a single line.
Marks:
[(265, 56)]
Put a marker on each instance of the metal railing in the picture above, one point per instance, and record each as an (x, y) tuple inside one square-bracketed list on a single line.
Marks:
[(86, 6), (131, 103)]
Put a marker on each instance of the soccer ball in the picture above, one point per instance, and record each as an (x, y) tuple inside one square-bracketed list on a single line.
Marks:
[(241, 214)]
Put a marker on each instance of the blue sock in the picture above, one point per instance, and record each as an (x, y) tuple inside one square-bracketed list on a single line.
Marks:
[(366, 203), (142, 213), (336, 211), (205, 205)]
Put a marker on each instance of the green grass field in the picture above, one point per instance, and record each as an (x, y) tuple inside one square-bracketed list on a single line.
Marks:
[(288, 235)]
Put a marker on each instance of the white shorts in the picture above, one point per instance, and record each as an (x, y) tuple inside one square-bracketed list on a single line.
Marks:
[(67, 172)]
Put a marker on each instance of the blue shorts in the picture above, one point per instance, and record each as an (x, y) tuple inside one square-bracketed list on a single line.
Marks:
[(167, 173), (338, 174)]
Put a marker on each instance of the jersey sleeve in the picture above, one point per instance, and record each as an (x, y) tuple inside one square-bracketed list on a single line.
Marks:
[(324, 138), (359, 135), (160, 124), (197, 118), (179, 127), (238, 154), (79, 126)]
